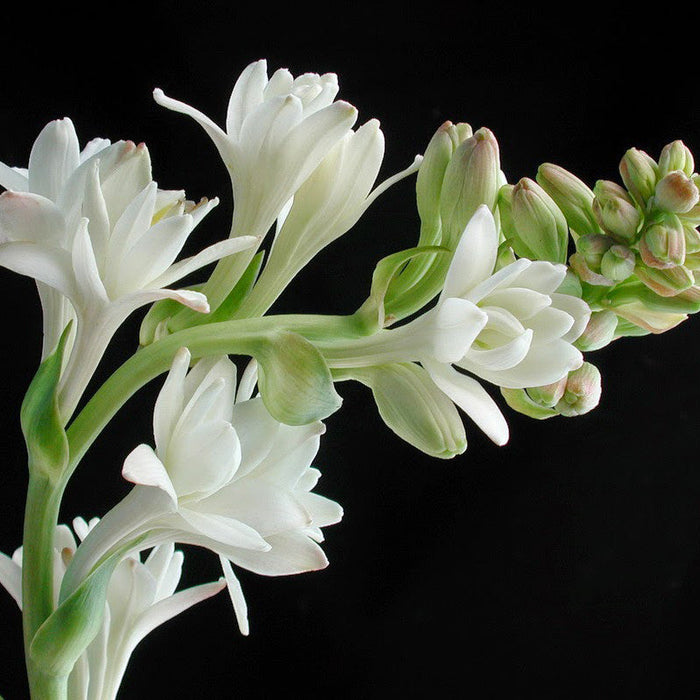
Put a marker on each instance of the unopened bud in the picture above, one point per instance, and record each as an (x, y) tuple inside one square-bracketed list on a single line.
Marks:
[(578, 265), (572, 196), (692, 240), (592, 247), (583, 391), (538, 222), (662, 245), (676, 192), (676, 156), (639, 172), (473, 177), (618, 263), (549, 394), (432, 169), (668, 282), (599, 332), (519, 400), (615, 211)]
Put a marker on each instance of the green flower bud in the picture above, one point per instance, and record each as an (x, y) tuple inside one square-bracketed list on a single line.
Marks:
[(667, 282), (592, 247), (472, 177), (639, 172), (538, 222), (578, 265), (676, 192), (432, 170), (692, 240), (615, 211), (549, 394), (572, 196), (583, 390), (599, 332), (618, 263), (676, 156), (662, 245), (520, 401)]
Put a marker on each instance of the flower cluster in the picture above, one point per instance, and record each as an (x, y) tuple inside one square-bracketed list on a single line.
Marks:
[(507, 287)]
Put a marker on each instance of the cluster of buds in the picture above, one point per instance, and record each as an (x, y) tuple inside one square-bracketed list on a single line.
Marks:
[(636, 245)]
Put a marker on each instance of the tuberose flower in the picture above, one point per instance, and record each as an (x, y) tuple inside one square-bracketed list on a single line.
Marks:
[(141, 596), (103, 236), (223, 475), (527, 328)]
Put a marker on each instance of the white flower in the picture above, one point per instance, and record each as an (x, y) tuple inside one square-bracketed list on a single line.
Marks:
[(326, 205), (223, 475), (525, 339), (277, 131), (106, 241), (140, 597)]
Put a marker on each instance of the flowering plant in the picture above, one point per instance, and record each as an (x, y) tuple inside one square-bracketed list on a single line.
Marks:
[(503, 289)]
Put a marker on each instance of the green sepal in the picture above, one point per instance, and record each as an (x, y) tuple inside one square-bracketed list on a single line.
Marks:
[(66, 633), (413, 407), (294, 380), (374, 313), (238, 294), (40, 417)]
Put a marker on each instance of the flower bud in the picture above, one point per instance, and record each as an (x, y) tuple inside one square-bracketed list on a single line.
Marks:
[(692, 240), (599, 332), (592, 247), (662, 245), (667, 282), (583, 390), (676, 156), (519, 400), (572, 196), (639, 172), (676, 192), (615, 211), (538, 222), (472, 177), (432, 170), (618, 263), (549, 394)]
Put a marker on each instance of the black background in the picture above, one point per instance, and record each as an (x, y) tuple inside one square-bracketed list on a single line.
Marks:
[(564, 564)]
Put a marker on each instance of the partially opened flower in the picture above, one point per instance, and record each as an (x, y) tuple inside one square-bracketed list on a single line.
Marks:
[(141, 596), (107, 243), (528, 328), (223, 475), (326, 205)]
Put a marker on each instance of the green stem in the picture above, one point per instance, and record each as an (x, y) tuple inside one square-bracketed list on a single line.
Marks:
[(225, 338), (41, 516)]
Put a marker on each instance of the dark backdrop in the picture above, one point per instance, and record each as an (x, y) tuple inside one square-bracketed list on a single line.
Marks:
[(564, 564)]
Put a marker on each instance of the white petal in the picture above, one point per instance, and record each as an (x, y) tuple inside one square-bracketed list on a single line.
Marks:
[(499, 279), (28, 217), (471, 397), (220, 529), (247, 94), (142, 466), (240, 607), (474, 257), (55, 155), (216, 134), (577, 309), (87, 276), (541, 276), (46, 264), (291, 553), (210, 254), (170, 401), (457, 323), (504, 356), (11, 578), (522, 303), (257, 430), (13, 179)]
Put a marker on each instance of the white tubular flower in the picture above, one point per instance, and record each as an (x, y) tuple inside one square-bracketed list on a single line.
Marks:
[(277, 132), (327, 204), (140, 597), (223, 475), (528, 328), (107, 242)]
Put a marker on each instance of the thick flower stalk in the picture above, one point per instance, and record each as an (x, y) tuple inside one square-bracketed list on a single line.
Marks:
[(140, 597), (101, 240), (249, 500)]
